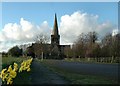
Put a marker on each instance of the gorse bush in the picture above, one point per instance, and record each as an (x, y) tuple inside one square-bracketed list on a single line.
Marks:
[(8, 74)]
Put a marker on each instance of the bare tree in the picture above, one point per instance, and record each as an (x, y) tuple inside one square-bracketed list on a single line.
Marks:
[(80, 45), (92, 37), (69, 52), (86, 45), (40, 46), (42, 39)]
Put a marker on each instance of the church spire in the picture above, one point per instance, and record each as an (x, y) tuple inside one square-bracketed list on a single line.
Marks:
[(55, 28), (55, 37)]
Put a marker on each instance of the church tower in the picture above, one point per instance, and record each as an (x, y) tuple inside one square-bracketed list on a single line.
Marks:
[(55, 37)]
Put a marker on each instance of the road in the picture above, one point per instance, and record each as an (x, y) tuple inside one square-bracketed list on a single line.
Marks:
[(41, 75), (106, 70)]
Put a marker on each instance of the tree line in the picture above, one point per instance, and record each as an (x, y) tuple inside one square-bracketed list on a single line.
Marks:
[(36, 48), (87, 45)]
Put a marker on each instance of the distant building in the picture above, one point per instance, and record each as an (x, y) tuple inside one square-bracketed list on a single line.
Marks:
[(49, 51)]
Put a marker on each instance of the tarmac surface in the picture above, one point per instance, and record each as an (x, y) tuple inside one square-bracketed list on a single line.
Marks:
[(42, 75), (100, 69)]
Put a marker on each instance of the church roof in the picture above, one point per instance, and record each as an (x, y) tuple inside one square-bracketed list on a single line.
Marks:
[(55, 28)]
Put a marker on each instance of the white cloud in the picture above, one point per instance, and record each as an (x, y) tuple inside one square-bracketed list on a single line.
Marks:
[(16, 34), (115, 32), (73, 25), (70, 28)]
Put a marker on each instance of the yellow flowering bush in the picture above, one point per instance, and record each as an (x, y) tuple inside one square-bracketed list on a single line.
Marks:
[(7, 75)]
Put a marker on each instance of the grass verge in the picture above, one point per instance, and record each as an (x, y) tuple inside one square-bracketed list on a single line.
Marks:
[(6, 61)]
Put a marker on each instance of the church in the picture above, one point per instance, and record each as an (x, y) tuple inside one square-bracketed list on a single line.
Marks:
[(49, 51)]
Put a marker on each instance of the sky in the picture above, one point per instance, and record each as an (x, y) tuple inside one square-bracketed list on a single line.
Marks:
[(22, 21), (60, 0)]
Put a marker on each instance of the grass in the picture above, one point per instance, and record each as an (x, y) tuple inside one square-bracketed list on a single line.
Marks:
[(6, 61), (77, 78), (23, 77)]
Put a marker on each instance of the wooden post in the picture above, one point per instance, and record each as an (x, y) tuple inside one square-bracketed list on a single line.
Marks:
[(42, 56)]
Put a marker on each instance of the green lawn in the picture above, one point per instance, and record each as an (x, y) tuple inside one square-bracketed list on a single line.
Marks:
[(6, 61), (77, 78)]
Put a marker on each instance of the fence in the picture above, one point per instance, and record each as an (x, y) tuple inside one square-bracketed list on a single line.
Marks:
[(100, 59)]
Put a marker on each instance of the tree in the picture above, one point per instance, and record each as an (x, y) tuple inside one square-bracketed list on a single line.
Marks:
[(107, 46), (91, 44), (80, 45), (30, 51), (42, 39), (92, 37), (69, 52), (115, 45), (40, 46), (93, 50), (86, 45), (4, 54), (111, 45), (15, 51)]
